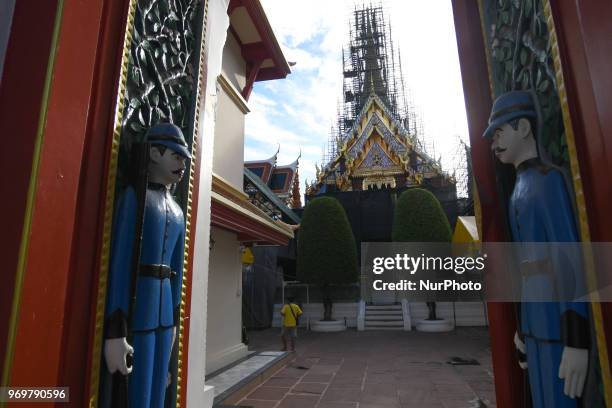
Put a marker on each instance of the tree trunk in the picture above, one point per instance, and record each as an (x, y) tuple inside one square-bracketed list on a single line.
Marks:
[(327, 309), (432, 311), (327, 304)]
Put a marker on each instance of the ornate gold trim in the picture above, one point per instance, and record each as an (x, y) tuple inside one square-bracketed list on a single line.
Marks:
[(108, 210), (477, 208), (233, 93), (583, 220), (224, 187), (248, 209), (29, 209), (378, 182), (180, 380), (393, 171)]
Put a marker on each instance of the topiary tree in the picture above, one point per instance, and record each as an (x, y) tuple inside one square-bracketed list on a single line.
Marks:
[(327, 253), (419, 217)]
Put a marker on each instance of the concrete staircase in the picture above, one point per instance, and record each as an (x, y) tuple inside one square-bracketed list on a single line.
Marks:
[(384, 317)]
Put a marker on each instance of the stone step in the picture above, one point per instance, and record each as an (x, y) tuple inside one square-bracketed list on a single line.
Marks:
[(371, 323), (236, 381), (383, 307), (384, 328), (383, 317), (384, 312)]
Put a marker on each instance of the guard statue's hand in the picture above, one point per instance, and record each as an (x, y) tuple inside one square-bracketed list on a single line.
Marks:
[(522, 350), (573, 368), (115, 353)]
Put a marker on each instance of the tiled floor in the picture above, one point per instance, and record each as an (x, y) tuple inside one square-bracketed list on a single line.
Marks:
[(383, 369)]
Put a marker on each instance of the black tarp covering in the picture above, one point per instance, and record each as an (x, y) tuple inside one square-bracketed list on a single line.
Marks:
[(259, 283), (262, 281)]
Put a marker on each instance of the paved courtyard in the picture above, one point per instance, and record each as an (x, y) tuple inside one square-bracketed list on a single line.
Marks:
[(378, 369)]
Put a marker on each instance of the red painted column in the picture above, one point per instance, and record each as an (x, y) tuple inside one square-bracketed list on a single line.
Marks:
[(56, 317), (39, 354), (80, 307), (21, 91), (502, 320)]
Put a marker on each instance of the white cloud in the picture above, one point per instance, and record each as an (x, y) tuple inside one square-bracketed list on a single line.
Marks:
[(262, 130), (261, 101), (305, 60), (253, 153), (296, 22)]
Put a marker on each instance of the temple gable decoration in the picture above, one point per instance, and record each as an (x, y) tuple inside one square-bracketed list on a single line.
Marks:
[(377, 152), (377, 158), (282, 180), (377, 117)]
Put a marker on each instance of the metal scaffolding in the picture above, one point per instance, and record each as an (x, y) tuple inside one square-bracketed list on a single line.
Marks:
[(462, 169), (372, 64)]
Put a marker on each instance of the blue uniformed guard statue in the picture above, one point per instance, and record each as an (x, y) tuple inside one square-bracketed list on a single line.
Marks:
[(146, 270), (554, 335)]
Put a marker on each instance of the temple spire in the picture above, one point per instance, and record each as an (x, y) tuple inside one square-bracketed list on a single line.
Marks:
[(296, 199)]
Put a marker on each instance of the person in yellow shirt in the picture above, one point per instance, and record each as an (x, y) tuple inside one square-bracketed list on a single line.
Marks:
[(290, 314)]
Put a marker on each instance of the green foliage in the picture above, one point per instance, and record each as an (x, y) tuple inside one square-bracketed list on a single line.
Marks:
[(327, 253), (519, 44), (419, 217), (162, 72)]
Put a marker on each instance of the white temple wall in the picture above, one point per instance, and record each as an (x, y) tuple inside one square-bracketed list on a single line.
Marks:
[(198, 394), (233, 65), (229, 132), (224, 336), (228, 159)]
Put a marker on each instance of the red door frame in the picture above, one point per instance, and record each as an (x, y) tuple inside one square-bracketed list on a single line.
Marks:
[(585, 46), (80, 321), (51, 340), (55, 319), (509, 379), (20, 107)]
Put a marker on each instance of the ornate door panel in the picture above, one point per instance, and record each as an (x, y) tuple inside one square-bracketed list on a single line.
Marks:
[(540, 45)]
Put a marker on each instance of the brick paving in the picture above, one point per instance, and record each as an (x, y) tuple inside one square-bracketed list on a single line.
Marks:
[(378, 369)]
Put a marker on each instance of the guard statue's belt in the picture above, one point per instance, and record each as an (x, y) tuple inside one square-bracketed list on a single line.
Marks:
[(158, 271)]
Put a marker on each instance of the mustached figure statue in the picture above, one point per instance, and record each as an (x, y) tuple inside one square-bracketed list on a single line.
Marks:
[(145, 273), (555, 336)]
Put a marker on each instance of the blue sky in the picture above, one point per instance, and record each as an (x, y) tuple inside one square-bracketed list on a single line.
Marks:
[(297, 112), (285, 111)]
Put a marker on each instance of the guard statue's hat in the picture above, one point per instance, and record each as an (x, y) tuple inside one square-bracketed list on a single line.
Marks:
[(169, 135), (509, 106)]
